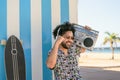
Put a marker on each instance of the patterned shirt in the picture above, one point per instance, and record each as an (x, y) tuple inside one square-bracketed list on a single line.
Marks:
[(67, 66)]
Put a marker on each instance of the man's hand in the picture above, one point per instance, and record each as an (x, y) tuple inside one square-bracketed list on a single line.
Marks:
[(60, 39), (87, 27)]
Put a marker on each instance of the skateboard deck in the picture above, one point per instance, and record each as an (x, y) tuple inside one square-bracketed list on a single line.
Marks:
[(14, 59)]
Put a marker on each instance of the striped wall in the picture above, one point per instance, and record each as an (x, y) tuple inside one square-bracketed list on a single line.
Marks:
[(32, 21)]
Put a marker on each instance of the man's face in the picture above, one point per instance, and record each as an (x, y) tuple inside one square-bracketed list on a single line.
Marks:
[(68, 39)]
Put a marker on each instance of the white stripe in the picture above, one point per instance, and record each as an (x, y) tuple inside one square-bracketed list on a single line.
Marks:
[(36, 40), (55, 7), (73, 11), (13, 18)]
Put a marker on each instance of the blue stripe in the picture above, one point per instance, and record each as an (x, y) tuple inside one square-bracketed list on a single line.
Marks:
[(46, 36), (25, 34), (3, 35), (64, 10)]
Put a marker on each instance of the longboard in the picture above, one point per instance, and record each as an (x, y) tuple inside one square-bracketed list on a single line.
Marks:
[(14, 59)]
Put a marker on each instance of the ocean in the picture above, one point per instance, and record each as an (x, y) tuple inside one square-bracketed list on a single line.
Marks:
[(105, 50)]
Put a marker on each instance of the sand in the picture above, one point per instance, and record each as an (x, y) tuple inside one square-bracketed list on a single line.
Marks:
[(100, 60)]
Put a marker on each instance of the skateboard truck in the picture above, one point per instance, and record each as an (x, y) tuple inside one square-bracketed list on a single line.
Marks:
[(3, 42)]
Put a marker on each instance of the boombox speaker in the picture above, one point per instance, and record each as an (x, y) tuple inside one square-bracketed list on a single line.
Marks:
[(85, 38)]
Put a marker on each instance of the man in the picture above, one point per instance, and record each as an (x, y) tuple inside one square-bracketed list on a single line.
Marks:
[(61, 58)]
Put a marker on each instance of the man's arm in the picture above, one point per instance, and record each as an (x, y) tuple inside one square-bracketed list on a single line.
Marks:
[(82, 50), (52, 58)]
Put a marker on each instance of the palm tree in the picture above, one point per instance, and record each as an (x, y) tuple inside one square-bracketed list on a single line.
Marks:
[(112, 38)]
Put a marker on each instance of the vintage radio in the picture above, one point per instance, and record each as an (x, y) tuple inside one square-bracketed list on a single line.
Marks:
[(85, 38)]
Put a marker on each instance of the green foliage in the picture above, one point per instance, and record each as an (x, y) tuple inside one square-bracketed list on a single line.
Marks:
[(111, 38)]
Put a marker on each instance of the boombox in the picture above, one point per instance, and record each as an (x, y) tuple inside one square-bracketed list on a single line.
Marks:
[(84, 37)]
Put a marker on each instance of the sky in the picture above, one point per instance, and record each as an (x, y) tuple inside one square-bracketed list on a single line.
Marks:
[(100, 15)]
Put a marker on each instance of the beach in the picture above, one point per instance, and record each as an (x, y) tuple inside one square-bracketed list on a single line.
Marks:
[(99, 59), (95, 64)]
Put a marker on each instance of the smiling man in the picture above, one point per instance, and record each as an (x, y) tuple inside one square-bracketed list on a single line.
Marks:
[(61, 58)]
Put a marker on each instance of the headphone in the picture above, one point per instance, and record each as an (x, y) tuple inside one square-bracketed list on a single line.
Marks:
[(58, 32)]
